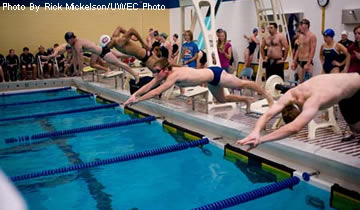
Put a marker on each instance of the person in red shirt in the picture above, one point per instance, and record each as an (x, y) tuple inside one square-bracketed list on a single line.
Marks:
[(354, 51)]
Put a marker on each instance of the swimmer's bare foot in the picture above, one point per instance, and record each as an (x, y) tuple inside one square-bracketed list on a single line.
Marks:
[(249, 101), (137, 78)]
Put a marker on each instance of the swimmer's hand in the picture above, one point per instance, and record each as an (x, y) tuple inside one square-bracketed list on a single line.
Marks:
[(253, 139), (335, 63), (131, 101)]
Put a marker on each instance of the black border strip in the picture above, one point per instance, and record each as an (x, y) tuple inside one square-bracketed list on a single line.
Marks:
[(81, 91), (104, 100), (260, 159), (136, 111), (183, 129), (342, 190)]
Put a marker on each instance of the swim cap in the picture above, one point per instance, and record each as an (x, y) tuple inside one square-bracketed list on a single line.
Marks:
[(163, 34), (329, 32), (104, 40), (255, 30), (69, 35)]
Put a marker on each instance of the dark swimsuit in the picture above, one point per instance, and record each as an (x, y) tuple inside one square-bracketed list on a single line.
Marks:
[(330, 55), (274, 68), (147, 56), (252, 47), (203, 59), (105, 50), (350, 108), (303, 63), (217, 75)]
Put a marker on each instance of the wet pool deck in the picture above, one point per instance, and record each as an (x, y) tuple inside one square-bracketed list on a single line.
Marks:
[(338, 162)]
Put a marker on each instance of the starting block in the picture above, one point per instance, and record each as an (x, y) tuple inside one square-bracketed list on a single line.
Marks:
[(115, 75), (193, 92)]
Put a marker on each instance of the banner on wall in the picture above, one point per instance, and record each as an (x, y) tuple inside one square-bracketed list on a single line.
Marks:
[(16, 5)]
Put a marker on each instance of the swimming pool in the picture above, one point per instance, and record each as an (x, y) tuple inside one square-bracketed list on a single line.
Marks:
[(179, 180)]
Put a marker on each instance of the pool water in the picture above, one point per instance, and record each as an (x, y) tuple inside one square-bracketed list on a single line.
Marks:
[(179, 180)]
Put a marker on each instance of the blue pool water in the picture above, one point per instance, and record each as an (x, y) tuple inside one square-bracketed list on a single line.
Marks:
[(179, 180)]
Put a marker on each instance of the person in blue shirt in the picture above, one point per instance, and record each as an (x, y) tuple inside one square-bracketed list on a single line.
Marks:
[(189, 50)]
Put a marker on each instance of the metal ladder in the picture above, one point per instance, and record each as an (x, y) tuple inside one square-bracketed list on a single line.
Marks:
[(271, 12)]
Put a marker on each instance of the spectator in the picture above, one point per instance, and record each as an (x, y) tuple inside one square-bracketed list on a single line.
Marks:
[(346, 42), (224, 50), (12, 65), (68, 65), (2, 64), (27, 62), (201, 60), (175, 48), (249, 51), (190, 50), (156, 42), (44, 64), (60, 59), (344, 39), (165, 46), (354, 51), (329, 54), (275, 58)]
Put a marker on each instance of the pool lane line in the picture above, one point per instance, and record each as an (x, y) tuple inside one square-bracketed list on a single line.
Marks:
[(84, 109), (35, 91), (46, 100), (252, 195), (78, 130), (123, 158)]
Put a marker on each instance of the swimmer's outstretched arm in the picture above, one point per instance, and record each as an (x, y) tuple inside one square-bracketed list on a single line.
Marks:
[(144, 89), (253, 139), (292, 128), (132, 31), (170, 81), (119, 30)]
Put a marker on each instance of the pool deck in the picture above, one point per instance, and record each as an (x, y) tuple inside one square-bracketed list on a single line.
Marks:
[(338, 162)]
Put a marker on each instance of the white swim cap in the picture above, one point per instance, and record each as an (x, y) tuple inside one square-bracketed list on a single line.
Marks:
[(104, 40)]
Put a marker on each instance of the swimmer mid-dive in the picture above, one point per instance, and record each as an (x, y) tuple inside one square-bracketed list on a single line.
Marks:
[(125, 44), (216, 78), (300, 104), (82, 45)]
